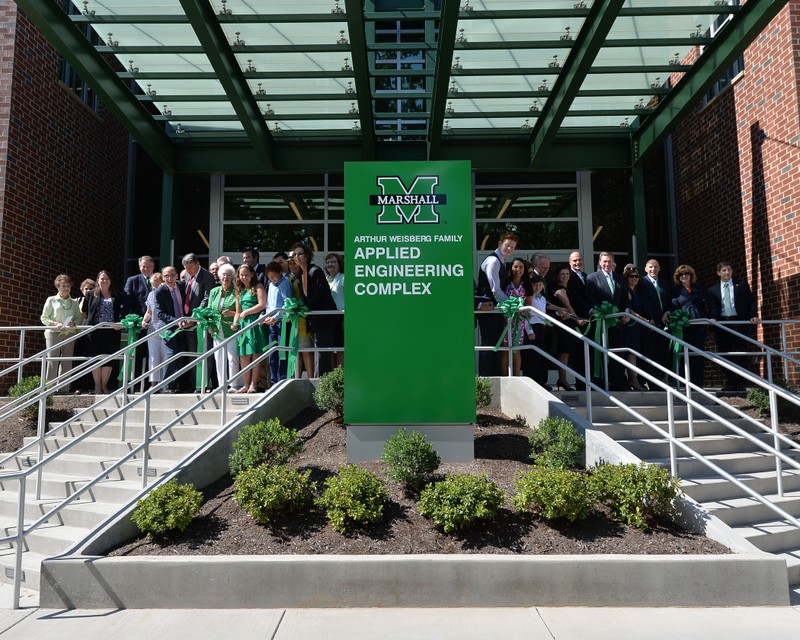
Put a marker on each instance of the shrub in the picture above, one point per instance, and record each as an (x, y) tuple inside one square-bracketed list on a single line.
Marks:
[(26, 386), (460, 501), (483, 391), (268, 491), (329, 394), (353, 497), (556, 444), (263, 443), (411, 458), (168, 507), (635, 493), (554, 493), (760, 398)]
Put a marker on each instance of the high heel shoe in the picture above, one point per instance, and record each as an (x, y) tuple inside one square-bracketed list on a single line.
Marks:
[(563, 384), (635, 385)]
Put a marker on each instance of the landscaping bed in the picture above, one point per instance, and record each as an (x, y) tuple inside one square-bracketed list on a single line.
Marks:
[(501, 451)]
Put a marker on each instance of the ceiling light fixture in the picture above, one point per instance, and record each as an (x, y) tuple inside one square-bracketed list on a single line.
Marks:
[(131, 68), (238, 40), (111, 42), (349, 89), (250, 66), (166, 112), (260, 91), (353, 108), (566, 36), (461, 37), (269, 111), (457, 63), (347, 66), (337, 8), (86, 10), (342, 39), (150, 92), (225, 11), (676, 60)]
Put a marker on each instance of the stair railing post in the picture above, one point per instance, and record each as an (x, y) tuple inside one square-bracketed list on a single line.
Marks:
[(41, 427), (21, 354), (125, 361), (784, 351), (776, 443), (688, 377), (146, 441), (20, 541), (673, 462), (604, 342), (587, 369)]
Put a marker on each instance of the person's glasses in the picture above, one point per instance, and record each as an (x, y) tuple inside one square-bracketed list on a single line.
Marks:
[(170, 275)]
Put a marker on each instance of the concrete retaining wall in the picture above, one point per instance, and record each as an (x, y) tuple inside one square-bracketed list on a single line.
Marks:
[(233, 582)]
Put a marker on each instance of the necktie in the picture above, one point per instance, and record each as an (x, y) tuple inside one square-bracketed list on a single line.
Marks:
[(176, 300), (658, 293), (147, 284), (188, 294), (610, 283), (727, 305)]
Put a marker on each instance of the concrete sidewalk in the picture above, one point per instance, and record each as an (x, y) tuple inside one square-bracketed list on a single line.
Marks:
[(539, 623)]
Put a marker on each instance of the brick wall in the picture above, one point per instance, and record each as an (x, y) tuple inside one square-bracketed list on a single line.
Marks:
[(63, 180), (737, 178)]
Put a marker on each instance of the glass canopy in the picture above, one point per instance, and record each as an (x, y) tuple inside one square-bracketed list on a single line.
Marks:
[(510, 83)]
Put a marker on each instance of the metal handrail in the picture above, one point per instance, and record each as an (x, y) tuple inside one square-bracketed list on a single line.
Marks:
[(148, 437), (672, 394)]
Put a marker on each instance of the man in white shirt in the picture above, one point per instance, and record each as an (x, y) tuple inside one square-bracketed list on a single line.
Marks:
[(736, 303), (491, 279)]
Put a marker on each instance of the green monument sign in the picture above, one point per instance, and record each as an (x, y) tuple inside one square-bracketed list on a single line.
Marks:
[(409, 335)]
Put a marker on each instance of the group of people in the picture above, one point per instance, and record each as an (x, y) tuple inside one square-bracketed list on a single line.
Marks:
[(240, 297), (577, 298)]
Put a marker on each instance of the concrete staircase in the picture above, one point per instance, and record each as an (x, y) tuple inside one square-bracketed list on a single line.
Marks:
[(754, 523), (67, 472)]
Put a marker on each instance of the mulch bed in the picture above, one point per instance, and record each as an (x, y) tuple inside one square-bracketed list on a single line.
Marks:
[(501, 450)]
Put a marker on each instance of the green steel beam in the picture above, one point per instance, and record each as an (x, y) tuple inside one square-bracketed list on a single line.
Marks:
[(210, 34), (357, 33), (444, 61), (730, 43), (588, 44), (501, 14), (54, 24)]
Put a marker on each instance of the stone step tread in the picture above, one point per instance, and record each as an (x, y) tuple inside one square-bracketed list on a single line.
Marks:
[(742, 477), (767, 527), (53, 531), (722, 437), (788, 498)]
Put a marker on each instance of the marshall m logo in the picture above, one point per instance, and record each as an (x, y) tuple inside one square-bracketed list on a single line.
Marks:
[(400, 205)]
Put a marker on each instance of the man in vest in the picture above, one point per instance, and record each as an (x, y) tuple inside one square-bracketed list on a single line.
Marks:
[(491, 280)]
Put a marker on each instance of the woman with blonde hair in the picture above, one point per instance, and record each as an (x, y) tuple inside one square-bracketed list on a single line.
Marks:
[(60, 314)]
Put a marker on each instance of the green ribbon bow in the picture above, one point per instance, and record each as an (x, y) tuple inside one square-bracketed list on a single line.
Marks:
[(294, 309), (677, 321), (132, 323), (510, 308), (600, 313), (207, 320)]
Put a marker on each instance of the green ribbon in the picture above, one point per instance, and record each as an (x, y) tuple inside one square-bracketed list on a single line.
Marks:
[(132, 323), (207, 320), (677, 321), (510, 308), (294, 309), (600, 313)]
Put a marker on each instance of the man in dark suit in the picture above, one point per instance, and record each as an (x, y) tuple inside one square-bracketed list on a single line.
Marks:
[(250, 256), (576, 292), (170, 300), (735, 301), (135, 296), (654, 298), (602, 286), (198, 284)]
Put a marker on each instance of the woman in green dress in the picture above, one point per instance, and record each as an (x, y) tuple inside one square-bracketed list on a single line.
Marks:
[(251, 300)]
